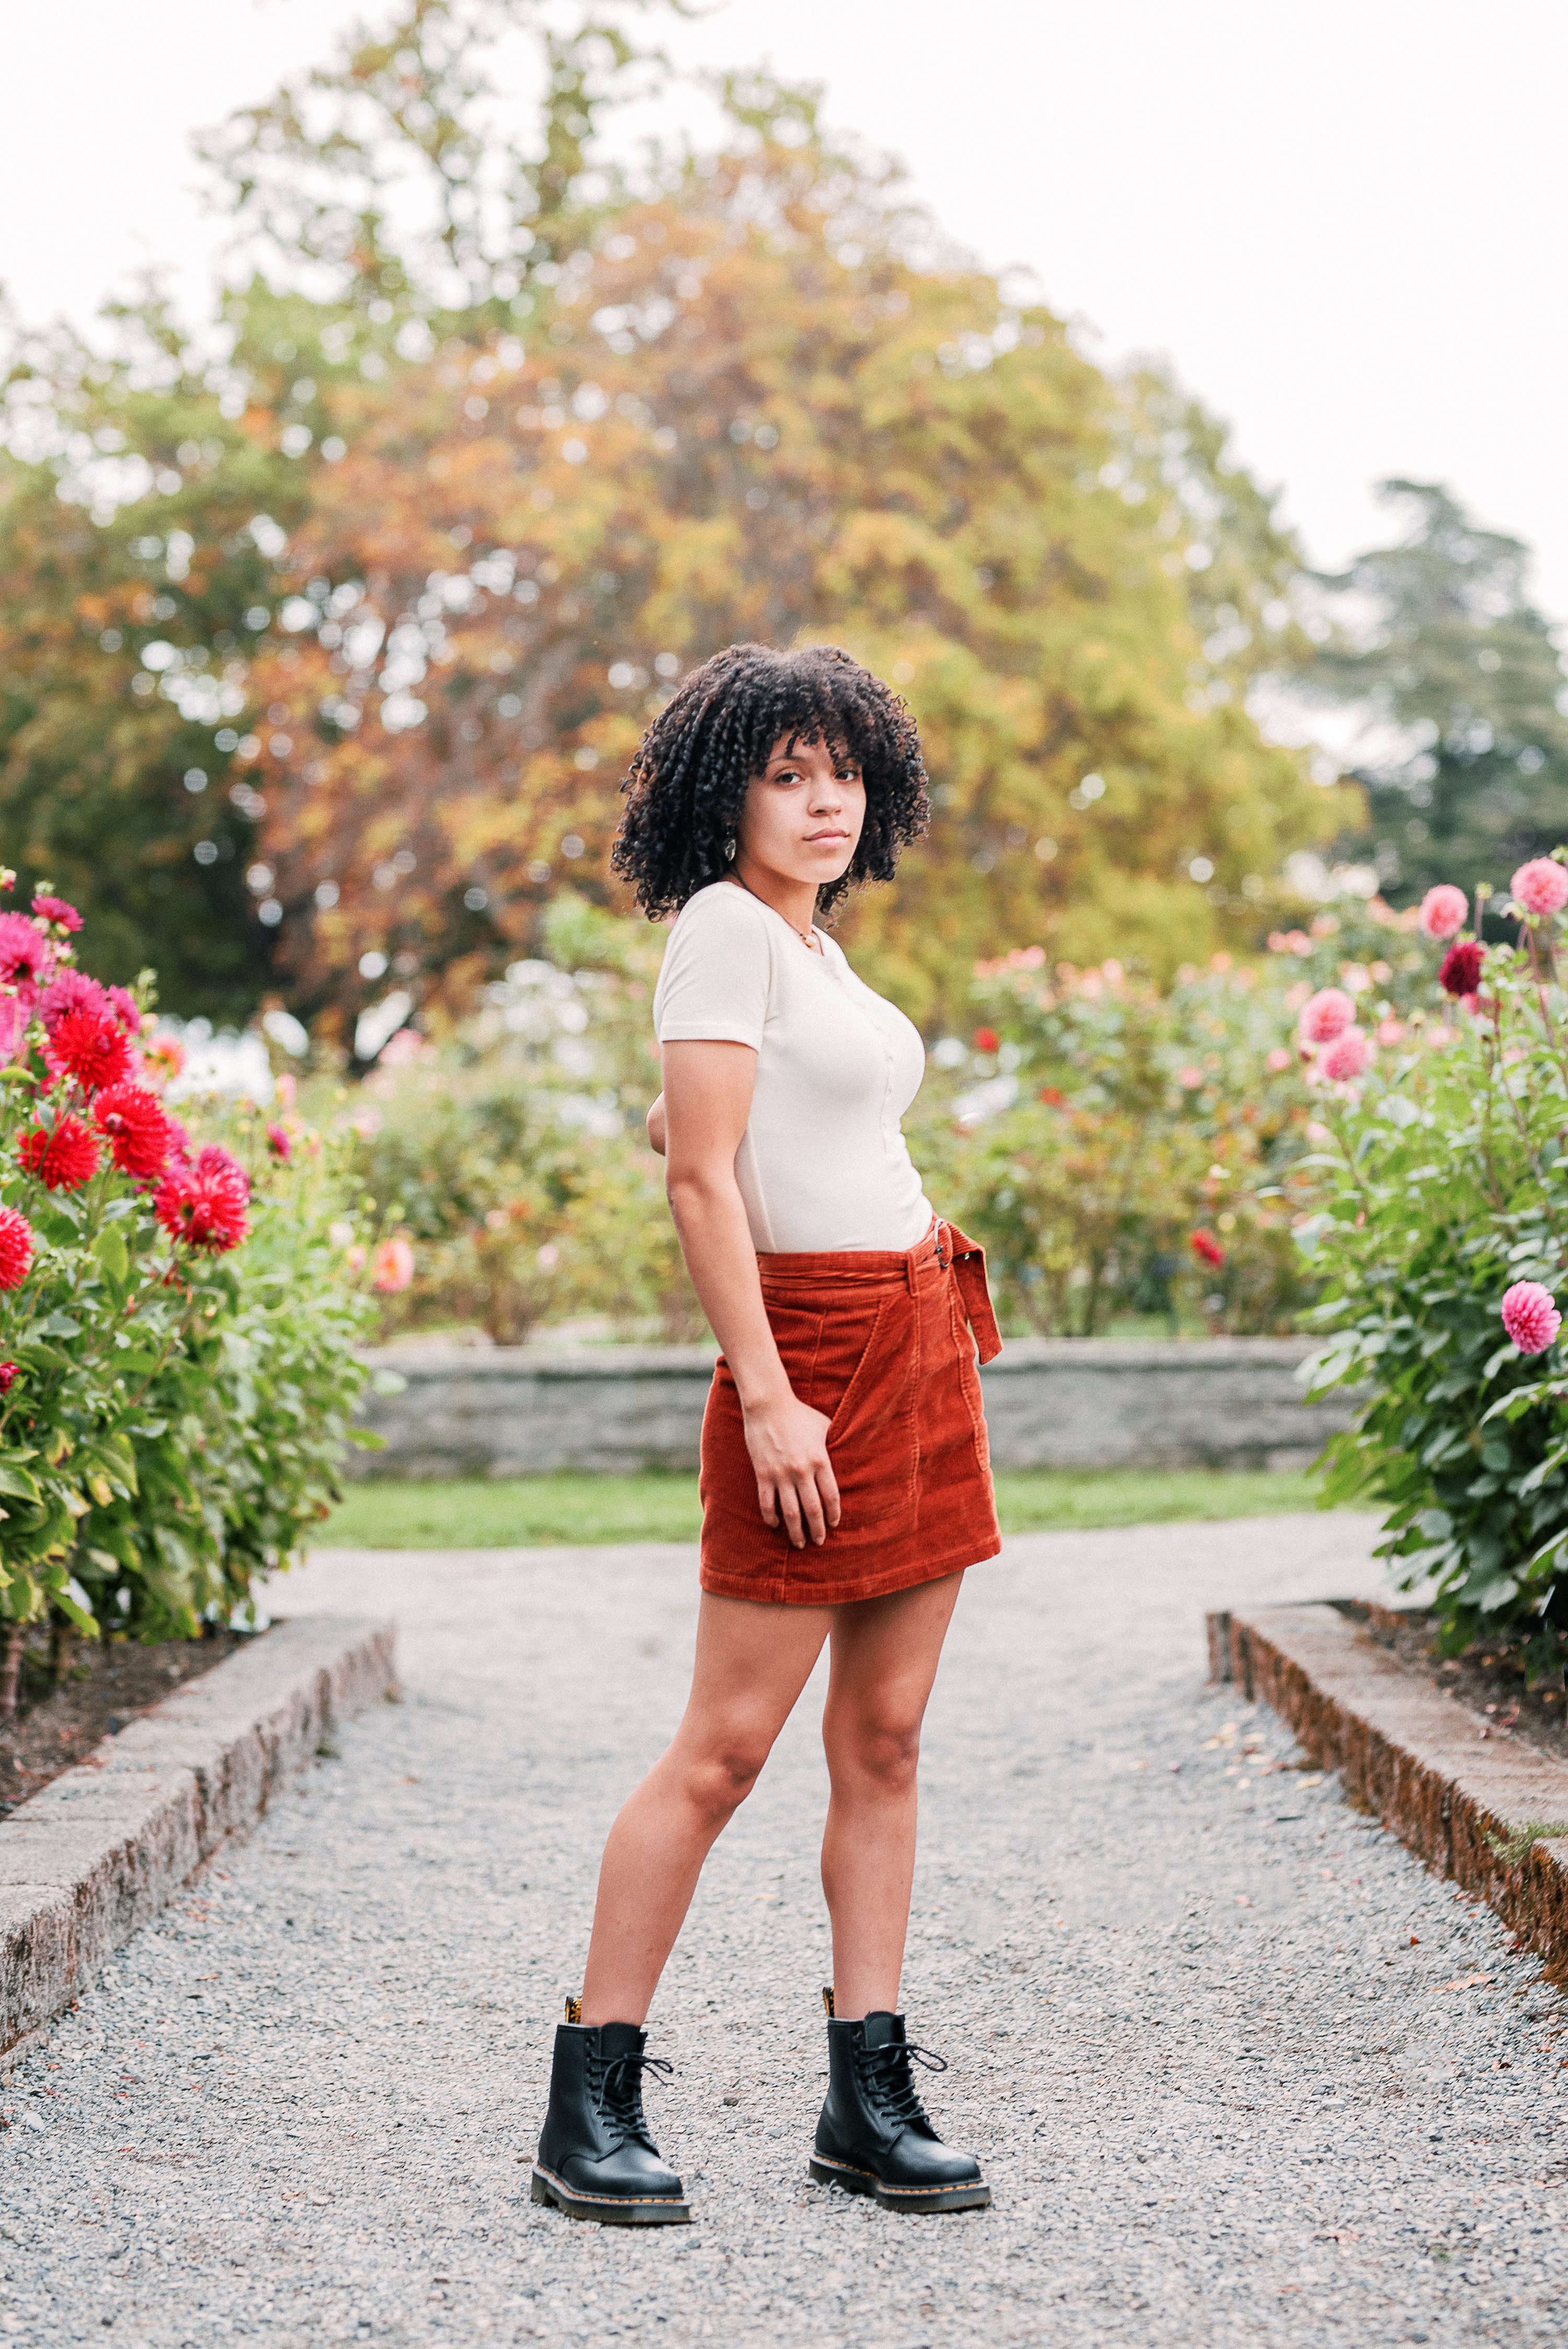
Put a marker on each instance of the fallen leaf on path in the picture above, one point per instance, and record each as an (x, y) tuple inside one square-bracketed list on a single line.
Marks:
[(1470, 1982)]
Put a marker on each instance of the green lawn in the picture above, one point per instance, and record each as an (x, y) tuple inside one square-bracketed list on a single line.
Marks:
[(542, 1509)]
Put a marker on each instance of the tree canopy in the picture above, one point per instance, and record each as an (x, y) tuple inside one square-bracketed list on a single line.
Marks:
[(1464, 760), (327, 649)]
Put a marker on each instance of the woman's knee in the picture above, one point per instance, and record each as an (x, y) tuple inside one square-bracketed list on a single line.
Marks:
[(882, 1745), (721, 1772)]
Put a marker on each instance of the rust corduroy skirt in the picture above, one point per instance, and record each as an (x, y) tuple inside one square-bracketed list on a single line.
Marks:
[(884, 1343)]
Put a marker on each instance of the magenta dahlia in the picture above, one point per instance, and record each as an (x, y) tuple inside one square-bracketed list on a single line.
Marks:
[(70, 991), (16, 1243), (280, 1143), (1530, 1316), (125, 1010), (62, 1156), (86, 1045), (55, 910), (136, 1128), (25, 953), (9, 1374)]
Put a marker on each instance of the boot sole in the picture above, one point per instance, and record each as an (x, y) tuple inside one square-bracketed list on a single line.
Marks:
[(913, 2200), (608, 2210)]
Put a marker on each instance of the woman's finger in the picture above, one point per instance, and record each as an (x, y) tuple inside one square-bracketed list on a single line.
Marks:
[(827, 1485), (765, 1502), (790, 1509), (811, 1509)]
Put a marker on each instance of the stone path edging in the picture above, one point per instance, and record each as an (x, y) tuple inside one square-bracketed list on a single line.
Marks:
[(1415, 1756), (96, 1852)]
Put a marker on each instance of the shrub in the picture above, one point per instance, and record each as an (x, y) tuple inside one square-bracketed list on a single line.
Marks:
[(1447, 1164), (1126, 1148), (176, 1358)]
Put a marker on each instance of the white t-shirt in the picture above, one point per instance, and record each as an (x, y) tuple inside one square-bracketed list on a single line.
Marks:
[(823, 1163)]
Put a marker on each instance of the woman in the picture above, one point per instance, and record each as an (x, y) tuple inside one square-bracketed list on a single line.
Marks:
[(845, 1476)]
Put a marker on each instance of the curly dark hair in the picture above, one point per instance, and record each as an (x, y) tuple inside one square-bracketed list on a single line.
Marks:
[(688, 784)]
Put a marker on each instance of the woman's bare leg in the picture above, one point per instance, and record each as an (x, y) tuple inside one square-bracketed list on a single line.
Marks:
[(752, 1661), (885, 1654)]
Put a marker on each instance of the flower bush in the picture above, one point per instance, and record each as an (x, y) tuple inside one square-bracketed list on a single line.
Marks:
[(509, 1162), (176, 1345), (1444, 1247), (1096, 1124)]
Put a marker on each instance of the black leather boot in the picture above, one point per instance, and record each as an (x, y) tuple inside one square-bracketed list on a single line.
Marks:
[(875, 2136), (596, 2158)]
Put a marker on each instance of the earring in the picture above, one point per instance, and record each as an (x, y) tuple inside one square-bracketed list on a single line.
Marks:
[(729, 850)]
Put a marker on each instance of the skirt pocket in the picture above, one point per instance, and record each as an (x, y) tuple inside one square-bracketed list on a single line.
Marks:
[(866, 1385)]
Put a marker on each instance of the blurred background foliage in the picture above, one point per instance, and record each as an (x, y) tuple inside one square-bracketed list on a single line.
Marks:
[(1135, 1160), (328, 626)]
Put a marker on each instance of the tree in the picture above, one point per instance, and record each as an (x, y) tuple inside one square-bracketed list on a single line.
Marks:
[(514, 446), (1464, 756), (753, 406)]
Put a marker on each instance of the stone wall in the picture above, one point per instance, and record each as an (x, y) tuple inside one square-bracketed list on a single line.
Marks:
[(1218, 1402)]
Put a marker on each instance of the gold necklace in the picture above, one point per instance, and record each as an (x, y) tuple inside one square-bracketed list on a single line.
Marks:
[(808, 937)]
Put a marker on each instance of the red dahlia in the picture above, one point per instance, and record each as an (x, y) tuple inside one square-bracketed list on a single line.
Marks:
[(15, 1248), (63, 1157), (136, 1129), (86, 1045), (1460, 973), (204, 1204), (1204, 1245)]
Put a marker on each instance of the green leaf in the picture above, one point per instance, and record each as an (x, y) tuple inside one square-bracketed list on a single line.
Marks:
[(111, 1251), (16, 1482)]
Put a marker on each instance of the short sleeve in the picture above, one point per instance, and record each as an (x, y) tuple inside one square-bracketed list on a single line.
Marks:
[(717, 972)]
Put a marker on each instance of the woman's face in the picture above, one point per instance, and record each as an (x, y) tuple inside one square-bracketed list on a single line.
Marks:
[(803, 813)]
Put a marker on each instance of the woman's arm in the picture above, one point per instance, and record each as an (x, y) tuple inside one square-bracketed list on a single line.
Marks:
[(707, 1101)]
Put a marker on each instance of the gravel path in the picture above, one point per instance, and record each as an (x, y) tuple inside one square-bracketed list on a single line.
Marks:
[(1240, 2070)]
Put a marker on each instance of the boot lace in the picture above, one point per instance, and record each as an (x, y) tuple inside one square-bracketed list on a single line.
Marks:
[(617, 2087), (886, 2076)]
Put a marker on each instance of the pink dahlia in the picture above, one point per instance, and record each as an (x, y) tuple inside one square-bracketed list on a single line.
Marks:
[(62, 1156), (16, 1243), (132, 1121), (86, 1045), (1347, 1058), (70, 991), (1530, 1316), (1541, 886), (1326, 1015), (125, 1010), (25, 953), (279, 1143), (163, 1056), (14, 1018), (9, 1374), (392, 1265), (204, 1204), (1444, 910), (55, 910)]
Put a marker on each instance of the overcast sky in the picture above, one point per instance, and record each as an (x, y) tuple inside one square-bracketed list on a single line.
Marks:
[(1345, 222)]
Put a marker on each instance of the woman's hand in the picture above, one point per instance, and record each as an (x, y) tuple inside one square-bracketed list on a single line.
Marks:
[(657, 1133), (788, 1442)]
